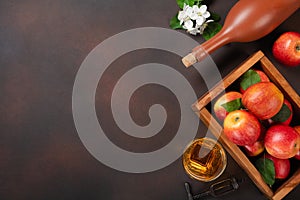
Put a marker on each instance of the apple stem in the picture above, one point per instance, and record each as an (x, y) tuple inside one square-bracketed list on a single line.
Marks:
[(298, 47), (236, 119)]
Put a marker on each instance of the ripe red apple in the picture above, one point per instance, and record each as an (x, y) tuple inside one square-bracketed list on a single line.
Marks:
[(282, 166), (282, 141), (255, 149), (286, 49), (297, 156), (262, 75), (263, 99), (219, 110), (242, 127), (289, 119), (263, 78)]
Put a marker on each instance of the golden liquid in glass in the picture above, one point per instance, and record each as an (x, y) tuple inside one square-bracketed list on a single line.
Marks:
[(204, 159)]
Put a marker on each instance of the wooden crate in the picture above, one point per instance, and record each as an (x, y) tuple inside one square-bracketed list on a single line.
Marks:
[(202, 108)]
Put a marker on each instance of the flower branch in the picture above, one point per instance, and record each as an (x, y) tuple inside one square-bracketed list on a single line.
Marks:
[(196, 19)]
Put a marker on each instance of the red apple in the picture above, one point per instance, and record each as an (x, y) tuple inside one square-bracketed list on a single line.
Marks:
[(282, 141), (242, 127), (263, 99), (289, 119), (263, 78), (219, 110), (297, 156), (282, 166), (286, 49), (262, 75), (255, 149)]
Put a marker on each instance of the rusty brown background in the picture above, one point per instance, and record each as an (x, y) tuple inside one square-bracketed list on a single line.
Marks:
[(42, 44)]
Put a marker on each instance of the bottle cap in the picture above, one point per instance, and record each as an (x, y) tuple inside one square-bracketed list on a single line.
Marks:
[(189, 60)]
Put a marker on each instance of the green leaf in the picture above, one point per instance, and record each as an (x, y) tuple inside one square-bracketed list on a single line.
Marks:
[(215, 17), (249, 78), (212, 29), (232, 105), (175, 23), (267, 170), (283, 114), (187, 2)]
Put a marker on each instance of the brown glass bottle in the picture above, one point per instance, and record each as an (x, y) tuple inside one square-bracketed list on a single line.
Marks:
[(247, 21)]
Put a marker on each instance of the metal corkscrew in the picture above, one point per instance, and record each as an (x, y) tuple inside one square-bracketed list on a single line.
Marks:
[(217, 189)]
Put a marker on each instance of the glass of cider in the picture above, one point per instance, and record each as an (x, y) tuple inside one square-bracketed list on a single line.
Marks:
[(204, 159)]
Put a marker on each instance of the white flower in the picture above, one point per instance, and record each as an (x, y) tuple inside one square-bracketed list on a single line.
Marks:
[(183, 15), (201, 11), (193, 31), (204, 25), (188, 24), (193, 19), (189, 11), (185, 6), (200, 20)]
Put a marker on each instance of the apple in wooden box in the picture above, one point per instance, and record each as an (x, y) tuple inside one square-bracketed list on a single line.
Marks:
[(203, 108)]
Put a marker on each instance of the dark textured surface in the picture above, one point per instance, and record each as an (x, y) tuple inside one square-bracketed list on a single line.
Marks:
[(42, 44)]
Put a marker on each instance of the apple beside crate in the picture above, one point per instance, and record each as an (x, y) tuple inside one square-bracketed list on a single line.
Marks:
[(203, 108)]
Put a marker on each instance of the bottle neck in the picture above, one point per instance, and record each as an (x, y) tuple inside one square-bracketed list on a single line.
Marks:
[(200, 52), (219, 40)]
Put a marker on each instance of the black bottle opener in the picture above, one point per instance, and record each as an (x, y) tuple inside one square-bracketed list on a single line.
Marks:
[(217, 189)]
